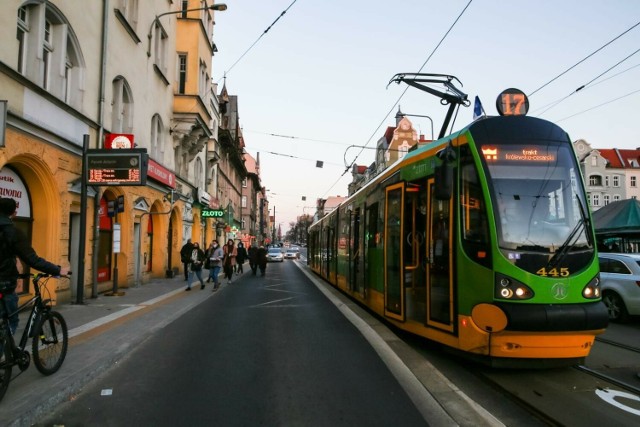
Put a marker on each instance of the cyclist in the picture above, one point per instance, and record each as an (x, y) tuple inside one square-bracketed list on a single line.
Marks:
[(14, 243)]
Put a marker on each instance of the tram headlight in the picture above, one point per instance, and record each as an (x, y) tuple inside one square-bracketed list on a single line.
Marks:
[(592, 290), (511, 289)]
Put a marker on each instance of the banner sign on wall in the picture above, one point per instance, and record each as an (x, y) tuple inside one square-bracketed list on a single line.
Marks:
[(12, 186)]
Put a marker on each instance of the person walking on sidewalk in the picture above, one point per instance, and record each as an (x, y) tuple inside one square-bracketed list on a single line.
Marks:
[(15, 244), (197, 260), (229, 261), (262, 259), (215, 255), (240, 258), (185, 257), (253, 259)]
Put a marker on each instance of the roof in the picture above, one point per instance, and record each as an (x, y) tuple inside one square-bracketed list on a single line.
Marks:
[(621, 158), (621, 217)]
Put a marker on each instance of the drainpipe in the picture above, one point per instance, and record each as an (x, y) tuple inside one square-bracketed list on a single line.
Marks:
[(98, 196)]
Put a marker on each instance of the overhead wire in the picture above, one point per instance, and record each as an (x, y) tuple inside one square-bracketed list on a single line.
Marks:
[(347, 168), (599, 105), (258, 39), (583, 59), (588, 83)]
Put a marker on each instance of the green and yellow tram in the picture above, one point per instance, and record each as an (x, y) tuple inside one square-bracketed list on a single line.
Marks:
[(481, 240)]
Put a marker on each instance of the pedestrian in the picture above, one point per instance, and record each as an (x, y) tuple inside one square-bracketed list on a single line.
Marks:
[(215, 255), (262, 259), (241, 257), (14, 244), (185, 257), (253, 259), (197, 261), (229, 260)]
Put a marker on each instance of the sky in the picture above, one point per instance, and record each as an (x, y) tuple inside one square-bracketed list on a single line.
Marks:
[(314, 86)]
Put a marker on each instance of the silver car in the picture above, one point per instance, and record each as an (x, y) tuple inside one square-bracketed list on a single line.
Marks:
[(275, 255), (620, 274)]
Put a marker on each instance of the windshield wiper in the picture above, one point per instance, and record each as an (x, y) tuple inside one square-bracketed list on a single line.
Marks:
[(572, 239)]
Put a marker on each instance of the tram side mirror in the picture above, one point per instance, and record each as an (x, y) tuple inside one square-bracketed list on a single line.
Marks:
[(443, 174), (443, 185)]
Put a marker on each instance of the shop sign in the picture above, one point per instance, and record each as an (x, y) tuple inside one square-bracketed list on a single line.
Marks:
[(211, 213), (118, 141), (11, 186), (161, 174)]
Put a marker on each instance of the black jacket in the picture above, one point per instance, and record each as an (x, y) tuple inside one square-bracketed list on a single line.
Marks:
[(14, 243)]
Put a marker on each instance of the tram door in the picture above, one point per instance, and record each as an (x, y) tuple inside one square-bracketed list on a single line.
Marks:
[(440, 265), (393, 253), (356, 260)]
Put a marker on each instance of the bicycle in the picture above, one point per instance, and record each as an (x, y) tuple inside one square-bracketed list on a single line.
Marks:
[(46, 327)]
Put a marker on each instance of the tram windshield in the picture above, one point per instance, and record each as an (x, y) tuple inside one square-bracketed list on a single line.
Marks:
[(537, 196)]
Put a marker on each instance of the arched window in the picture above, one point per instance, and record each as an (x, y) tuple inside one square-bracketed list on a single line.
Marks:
[(122, 107), (49, 52), (156, 142)]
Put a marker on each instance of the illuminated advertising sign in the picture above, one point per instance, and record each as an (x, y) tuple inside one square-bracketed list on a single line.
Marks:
[(212, 213), (117, 167)]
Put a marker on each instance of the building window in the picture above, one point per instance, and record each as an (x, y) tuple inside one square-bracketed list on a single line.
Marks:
[(182, 73), (129, 9), (157, 137), (596, 200), (21, 35), (244, 182), (184, 7), (616, 198), (606, 181), (204, 80), (160, 42), (633, 181), (122, 107), (606, 199), (594, 161), (244, 201), (616, 181), (49, 53), (595, 181)]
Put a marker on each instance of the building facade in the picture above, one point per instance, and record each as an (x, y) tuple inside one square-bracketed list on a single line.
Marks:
[(76, 75)]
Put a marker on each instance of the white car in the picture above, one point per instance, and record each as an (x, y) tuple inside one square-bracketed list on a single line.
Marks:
[(620, 276), (292, 253), (275, 255)]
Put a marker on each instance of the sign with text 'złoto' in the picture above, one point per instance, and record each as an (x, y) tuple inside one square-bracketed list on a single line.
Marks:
[(117, 167), (212, 213)]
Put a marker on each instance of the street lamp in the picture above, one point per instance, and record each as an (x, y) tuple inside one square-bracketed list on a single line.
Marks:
[(156, 21), (426, 117)]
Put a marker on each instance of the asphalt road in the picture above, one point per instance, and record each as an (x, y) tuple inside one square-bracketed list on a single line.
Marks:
[(263, 351)]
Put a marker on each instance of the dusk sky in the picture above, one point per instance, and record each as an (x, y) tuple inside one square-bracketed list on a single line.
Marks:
[(315, 83)]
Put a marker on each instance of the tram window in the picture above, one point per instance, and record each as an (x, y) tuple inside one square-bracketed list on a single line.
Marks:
[(473, 212)]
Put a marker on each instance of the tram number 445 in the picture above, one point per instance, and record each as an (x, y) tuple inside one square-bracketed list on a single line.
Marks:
[(553, 272)]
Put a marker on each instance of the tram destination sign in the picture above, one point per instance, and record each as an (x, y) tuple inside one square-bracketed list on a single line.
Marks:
[(117, 167)]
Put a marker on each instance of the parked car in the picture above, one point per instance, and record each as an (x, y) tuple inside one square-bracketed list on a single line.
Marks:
[(275, 255), (292, 253), (620, 275)]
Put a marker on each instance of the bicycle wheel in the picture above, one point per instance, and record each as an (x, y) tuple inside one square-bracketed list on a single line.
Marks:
[(5, 363), (50, 342)]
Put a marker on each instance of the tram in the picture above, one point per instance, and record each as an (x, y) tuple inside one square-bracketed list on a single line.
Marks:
[(481, 240)]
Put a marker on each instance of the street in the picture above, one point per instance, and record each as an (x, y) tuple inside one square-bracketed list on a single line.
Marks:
[(262, 351)]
